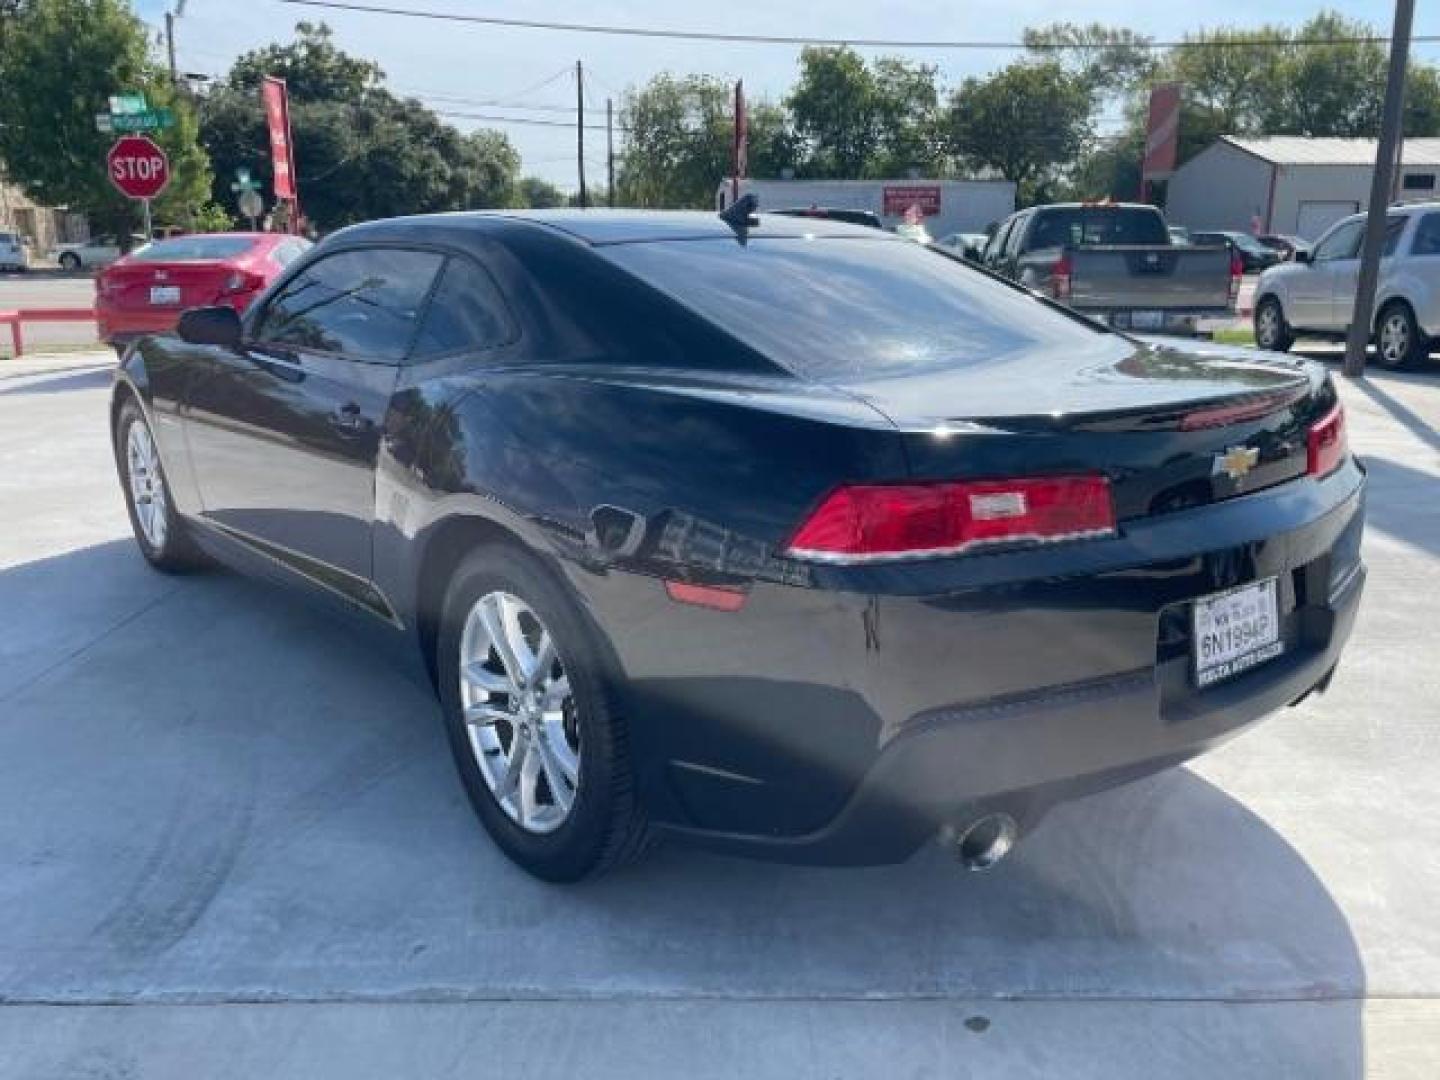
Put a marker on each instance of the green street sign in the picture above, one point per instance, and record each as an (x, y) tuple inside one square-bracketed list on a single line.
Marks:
[(149, 120), (243, 182), (127, 104)]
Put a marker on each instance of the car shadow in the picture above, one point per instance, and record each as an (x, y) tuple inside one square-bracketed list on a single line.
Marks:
[(90, 378), (1373, 387), (215, 792), (1403, 502)]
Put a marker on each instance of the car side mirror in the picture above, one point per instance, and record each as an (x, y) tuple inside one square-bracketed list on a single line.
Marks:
[(1301, 256), (210, 326)]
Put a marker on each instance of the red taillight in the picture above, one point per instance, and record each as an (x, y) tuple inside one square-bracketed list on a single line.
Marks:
[(1237, 272), (1326, 444), (872, 522), (1060, 278), (241, 281)]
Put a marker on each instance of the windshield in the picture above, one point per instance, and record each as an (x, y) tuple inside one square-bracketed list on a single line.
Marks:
[(832, 307), (194, 249), (1079, 226)]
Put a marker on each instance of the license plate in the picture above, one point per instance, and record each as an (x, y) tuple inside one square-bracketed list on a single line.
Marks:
[(1234, 631), (164, 294), (1147, 320)]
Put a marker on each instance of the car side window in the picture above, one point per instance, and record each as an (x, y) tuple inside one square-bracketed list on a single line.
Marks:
[(289, 251), (364, 304), (996, 245), (1017, 233), (1427, 236), (466, 313), (1394, 227), (1343, 243)]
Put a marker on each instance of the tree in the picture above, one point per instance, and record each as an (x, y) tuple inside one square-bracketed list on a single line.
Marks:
[(61, 61), (360, 152), (678, 140), (1112, 60), (1027, 122), (539, 194), (907, 117), (833, 108)]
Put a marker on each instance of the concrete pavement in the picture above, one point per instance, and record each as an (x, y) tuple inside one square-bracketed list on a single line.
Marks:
[(49, 289), (233, 845)]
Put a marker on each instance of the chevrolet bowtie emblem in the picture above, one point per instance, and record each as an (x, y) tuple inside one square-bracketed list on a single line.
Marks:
[(1236, 462)]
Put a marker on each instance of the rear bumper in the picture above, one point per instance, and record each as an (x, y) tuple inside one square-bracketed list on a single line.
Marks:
[(1023, 755), (845, 727), (119, 326)]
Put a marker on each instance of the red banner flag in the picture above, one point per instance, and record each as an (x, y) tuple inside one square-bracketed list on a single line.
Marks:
[(277, 119), (1162, 133)]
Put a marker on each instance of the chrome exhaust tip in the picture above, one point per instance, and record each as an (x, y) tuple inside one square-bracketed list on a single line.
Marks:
[(985, 841)]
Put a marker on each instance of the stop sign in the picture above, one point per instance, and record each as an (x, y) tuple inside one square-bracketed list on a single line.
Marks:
[(138, 167)]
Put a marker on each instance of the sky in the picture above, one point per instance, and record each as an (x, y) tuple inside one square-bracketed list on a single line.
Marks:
[(455, 67)]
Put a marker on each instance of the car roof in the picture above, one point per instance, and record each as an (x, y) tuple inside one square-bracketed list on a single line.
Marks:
[(617, 226)]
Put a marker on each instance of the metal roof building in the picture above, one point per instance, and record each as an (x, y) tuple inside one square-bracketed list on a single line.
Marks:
[(1289, 184)]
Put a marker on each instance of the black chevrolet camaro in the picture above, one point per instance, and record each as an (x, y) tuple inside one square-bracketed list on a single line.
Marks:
[(784, 536)]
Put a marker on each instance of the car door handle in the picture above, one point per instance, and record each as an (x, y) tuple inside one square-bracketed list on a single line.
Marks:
[(348, 419)]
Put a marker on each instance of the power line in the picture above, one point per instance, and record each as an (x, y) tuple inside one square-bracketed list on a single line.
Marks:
[(869, 43)]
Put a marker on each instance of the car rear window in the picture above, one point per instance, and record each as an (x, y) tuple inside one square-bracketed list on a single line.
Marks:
[(835, 307), (193, 249), (1079, 226)]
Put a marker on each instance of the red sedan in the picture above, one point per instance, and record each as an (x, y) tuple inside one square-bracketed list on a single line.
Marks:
[(145, 292)]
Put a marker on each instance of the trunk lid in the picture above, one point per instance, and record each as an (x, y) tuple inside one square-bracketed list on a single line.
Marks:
[(1156, 278), (162, 285), (1170, 427)]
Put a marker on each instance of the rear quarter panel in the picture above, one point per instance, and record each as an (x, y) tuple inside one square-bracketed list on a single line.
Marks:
[(1416, 280)]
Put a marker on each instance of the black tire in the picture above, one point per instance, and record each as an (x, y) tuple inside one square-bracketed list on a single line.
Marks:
[(1399, 343), (174, 551), (1271, 330), (606, 825), (69, 261)]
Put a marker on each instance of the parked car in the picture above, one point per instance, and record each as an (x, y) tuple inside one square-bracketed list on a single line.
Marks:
[(805, 547), (967, 245), (1314, 296), (95, 252), (1116, 262), (1254, 256), (14, 251), (833, 213), (1286, 245), (145, 292)]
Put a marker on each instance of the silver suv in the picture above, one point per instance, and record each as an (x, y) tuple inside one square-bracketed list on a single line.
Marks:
[(1314, 295)]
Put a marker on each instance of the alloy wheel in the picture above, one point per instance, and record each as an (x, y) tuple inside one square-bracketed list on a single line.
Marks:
[(147, 487), (519, 712), (1395, 338), (1267, 325)]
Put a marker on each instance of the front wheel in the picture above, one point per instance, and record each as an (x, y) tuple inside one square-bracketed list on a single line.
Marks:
[(542, 753), (1271, 331), (1399, 344), (69, 261)]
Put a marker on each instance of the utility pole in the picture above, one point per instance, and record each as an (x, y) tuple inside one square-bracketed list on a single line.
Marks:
[(609, 154), (170, 46), (580, 130), (1381, 184), (170, 17)]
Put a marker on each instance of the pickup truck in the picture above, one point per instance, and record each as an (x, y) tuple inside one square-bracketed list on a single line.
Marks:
[(1117, 263)]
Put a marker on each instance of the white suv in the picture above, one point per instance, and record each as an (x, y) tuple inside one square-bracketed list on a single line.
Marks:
[(1314, 296)]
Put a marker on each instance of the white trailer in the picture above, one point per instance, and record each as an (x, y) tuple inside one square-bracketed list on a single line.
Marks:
[(948, 206)]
